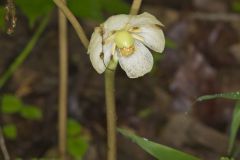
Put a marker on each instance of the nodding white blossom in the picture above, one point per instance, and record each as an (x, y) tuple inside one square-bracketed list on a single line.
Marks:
[(125, 38)]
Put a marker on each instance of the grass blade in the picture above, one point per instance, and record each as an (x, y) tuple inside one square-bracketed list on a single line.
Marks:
[(234, 128), (230, 95), (24, 54), (158, 151)]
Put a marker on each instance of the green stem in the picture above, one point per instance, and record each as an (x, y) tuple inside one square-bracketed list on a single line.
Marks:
[(111, 112), (24, 54), (110, 97)]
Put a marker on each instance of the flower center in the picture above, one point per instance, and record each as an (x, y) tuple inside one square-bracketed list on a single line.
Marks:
[(125, 42)]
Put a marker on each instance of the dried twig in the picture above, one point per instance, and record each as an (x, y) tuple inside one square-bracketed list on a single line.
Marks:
[(63, 85), (76, 25), (10, 16), (3, 146)]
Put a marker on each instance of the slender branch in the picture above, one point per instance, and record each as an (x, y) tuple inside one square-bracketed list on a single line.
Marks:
[(111, 113), (76, 25), (10, 16), (135, 7), (63, 85), (3, 146), (24, 54)]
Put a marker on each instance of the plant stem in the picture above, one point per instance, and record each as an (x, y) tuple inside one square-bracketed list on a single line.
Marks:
[(135, 7), (24, 54), (3, 146), (111, 113), (76, 25), (63, 84), (110, 98)]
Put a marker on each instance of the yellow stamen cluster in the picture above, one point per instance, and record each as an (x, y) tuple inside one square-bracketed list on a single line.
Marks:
[(127, 51), (125, 42)]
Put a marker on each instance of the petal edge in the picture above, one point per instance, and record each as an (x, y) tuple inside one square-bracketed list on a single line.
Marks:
[(144, 19), (153, 37), (137, 64), (95, 51)]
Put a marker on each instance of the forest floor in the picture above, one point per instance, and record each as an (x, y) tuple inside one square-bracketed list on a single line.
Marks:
[(202, 57)]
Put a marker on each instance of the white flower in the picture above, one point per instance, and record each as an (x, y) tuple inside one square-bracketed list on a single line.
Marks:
[(123, 38)]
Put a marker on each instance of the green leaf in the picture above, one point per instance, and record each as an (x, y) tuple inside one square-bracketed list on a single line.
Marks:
[(10, 104), (10, 131), (234, 128), (158, 151), (77, 147), (231, 95), (31, 112), (73, 128), (236, 115), (18, 61), (157, 57), (115, 6), (90, 9), (35, 8), (2, 22), (170, 43), (236, 6), (145, 112), (226, 158)]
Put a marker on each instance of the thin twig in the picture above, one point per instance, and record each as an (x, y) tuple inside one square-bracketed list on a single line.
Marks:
[(63, 85), (135, 7), (10, 16), (226, 17), (3, 146), (76, 25), (24, 54)]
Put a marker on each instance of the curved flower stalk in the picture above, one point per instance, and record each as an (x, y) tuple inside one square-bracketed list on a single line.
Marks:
[(126, 39)]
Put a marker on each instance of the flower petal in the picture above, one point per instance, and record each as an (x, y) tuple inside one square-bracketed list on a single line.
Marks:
[(95, 51), (144, 19), (116, 22), (153, 37), (108, 49), (139, 63)]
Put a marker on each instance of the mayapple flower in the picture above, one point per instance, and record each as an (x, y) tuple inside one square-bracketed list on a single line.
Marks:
[(126, 39)]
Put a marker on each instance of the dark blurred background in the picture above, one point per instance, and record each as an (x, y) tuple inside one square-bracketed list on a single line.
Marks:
[(201, 57)]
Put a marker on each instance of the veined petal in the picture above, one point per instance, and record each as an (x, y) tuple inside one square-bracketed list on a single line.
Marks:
[(116, 22), (95, 51), (144, 19), (153, 37), (139, 63)]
